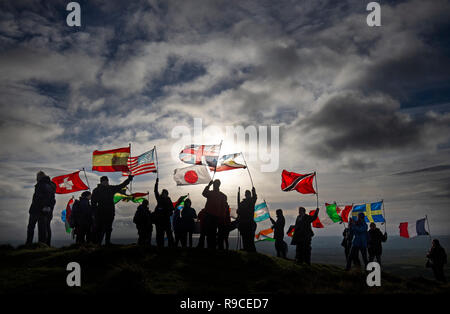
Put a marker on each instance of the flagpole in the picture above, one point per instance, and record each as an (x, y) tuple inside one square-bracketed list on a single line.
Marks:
[(86, 179), (218, 157), (317, 190), (157, 166), (248, 170), (384, 214), (428, 224), (131, 183)]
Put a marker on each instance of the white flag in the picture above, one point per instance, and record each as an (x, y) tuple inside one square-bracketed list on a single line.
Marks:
[(196, 174)]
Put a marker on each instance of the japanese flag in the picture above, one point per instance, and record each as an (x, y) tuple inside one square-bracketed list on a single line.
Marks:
[(197, 174)]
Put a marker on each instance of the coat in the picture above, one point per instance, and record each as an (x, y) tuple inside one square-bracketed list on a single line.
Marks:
[(82, 213), (102, 199), (44, 195), (143, 218), (374, 239), (437, 256), (216, 204), (164, 208), (278, 228), (303, 230), (359, 230)]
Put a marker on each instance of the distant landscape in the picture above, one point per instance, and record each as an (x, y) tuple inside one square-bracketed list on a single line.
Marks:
[(402, 257)]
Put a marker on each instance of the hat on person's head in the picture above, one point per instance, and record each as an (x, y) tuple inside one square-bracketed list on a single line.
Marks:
[(104, 178), (41, 174)]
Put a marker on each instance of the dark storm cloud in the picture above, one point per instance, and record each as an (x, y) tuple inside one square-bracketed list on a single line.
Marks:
[(355, 122), (424, 170)]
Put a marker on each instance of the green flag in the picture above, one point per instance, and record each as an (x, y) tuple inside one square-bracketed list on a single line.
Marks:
[(332, 212)]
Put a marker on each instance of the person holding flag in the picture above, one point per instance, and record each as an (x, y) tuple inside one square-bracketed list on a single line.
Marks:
[(278, 233), (214, 215), (303, 235), (359, 244), (245, 218), (103, 203), (164, 209)]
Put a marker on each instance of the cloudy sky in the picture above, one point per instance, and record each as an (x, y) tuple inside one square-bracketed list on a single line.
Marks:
[(368, 108)]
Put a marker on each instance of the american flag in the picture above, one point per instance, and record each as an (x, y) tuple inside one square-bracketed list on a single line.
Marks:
[(141, 164)]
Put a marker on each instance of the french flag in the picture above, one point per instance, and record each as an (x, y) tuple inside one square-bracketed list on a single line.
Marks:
[(413, 229)]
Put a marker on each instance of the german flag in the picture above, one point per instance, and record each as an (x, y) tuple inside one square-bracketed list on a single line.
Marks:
[(111, 160)]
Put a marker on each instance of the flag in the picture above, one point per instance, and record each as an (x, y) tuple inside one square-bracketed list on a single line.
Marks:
[(290, 231), (69, 183), (413, 229), (193, 154), (263, 237), (345, 212), (373, 212), (227, 162), (179, 204), (135, 197), (111, 160), (264, 232), (261, 212), (68, 213), (332, 212), (322, 219), (302, 183), (191, 175), (144, 163)]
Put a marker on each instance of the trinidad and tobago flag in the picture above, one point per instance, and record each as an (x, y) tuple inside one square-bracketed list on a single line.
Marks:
[(302, 183)]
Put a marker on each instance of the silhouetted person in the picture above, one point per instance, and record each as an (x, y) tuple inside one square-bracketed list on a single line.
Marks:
[(188, 216), (41, 209), (302, 235), (215, 212), (437, 260), (374, 239), (143, 221), (102, 201), (164, 209), (201, 219), (178, 229), (246, 219), (347, 243), (81, 218), (278, 234), (359, 244)]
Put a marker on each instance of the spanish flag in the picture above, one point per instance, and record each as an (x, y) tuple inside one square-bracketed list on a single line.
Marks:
[(111, 160)]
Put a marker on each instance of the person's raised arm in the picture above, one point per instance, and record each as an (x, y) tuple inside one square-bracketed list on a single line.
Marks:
[(156, 189), (254, 196), (316, 214), (119, 187), (239, 195), (206, 189)]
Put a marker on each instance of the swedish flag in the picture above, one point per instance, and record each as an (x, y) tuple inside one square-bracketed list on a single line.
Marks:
[(372, 211)]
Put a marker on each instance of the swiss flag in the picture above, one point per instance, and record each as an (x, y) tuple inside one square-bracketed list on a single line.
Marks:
[(69, 183)]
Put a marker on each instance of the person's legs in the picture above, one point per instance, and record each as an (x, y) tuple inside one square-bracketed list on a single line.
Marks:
[(190, 238), (308, 251), (108, 229), (364, 256), (351, 257), (168, 231), (32, 220), (159, 236), (211, 231), (48, 229)]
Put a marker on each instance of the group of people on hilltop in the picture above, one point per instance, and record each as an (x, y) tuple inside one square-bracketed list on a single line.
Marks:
[(357, 239), (93, 216)]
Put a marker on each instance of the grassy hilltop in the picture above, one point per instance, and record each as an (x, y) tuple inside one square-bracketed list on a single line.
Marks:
[(133, 269)]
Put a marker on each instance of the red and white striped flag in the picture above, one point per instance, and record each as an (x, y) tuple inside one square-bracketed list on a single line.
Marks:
[(141, 164)]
